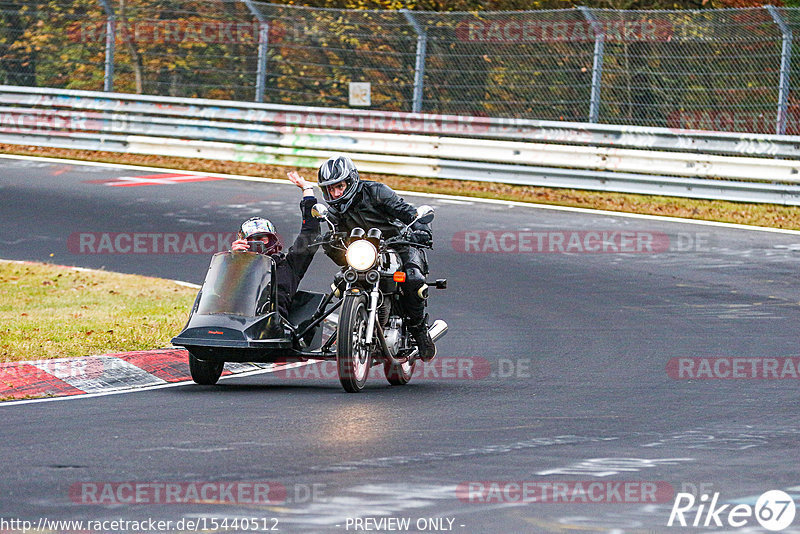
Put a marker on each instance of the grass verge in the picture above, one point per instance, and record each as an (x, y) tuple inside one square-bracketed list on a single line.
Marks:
[(51, 311), (771, 215)]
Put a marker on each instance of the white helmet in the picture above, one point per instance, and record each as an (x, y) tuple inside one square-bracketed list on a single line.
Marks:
[(258, 228)]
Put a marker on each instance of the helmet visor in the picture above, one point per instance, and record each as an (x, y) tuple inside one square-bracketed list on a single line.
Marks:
[(265, 243)]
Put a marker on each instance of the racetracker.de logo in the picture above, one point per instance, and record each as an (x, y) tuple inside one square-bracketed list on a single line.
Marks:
[(722, 120), (106, 493), (394, 122), (577, 241), (567, 492), (175, 32), (520, 31), (440, 368), (734, 368), (149, 242)]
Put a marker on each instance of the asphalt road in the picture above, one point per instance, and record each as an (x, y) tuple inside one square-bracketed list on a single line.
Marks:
[(582, 349)]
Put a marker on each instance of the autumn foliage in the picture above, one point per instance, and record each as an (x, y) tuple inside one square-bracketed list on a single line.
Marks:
[(508, 58)]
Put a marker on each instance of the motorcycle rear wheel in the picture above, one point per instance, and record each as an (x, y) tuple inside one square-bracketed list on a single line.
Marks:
[(353, 355), (399, 375)]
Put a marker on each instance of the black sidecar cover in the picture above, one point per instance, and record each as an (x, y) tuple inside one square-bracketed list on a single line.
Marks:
[(235, 310), (235, 283)]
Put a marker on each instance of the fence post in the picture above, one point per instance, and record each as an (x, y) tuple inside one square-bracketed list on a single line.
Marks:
[(263, 48), (597, 64), (419, 68), (786, 61), (111, 38)]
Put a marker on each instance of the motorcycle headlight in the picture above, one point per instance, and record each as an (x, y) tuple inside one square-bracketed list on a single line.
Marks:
[(361, 255)]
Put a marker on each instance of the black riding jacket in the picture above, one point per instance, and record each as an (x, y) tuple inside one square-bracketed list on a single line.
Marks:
[(376, 205), (290, 267)]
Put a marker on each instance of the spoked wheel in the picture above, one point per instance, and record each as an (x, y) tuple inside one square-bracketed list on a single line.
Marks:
[(205, 372), (399, 375), (353, 355)]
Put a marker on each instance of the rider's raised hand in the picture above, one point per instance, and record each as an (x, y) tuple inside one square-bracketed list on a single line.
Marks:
[(298, 180), (240, 245)]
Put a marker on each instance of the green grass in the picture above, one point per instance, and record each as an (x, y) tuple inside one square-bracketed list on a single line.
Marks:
[(49, 311)]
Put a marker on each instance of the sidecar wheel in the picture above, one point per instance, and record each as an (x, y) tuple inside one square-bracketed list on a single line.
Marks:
[(204, 372), (353, 356), (399, 375)]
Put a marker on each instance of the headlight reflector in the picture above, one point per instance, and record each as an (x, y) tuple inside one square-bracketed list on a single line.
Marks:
[(361, 255)]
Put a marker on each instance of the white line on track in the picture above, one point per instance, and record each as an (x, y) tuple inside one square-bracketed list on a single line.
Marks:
[(423, 195), (87, 270)]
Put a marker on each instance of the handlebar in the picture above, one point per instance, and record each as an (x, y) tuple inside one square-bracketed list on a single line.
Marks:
[(339, 239), (330, 240), (406, 243)]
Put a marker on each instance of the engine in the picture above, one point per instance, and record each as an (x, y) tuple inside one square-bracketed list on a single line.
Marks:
[(394, 335)]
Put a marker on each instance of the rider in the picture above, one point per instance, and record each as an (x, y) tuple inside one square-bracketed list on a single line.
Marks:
[(292, 266), (366, 204)]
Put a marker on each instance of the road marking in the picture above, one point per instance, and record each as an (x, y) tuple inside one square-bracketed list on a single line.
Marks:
[(603, 467), (153, 179), (118, 374)]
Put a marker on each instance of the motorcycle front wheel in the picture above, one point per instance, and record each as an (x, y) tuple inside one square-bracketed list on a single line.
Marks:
[(353, 358)]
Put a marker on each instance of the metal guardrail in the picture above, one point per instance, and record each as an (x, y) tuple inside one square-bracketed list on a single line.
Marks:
[(718, 165)]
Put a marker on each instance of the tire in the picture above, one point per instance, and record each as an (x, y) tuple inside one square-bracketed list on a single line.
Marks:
[(399, 375), (353, 358), (204, 372)]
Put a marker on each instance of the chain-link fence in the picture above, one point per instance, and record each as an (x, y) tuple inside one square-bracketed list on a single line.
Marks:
[(711, 69)]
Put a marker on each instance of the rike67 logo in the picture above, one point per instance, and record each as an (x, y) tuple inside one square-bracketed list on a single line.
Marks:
[(774, 510)]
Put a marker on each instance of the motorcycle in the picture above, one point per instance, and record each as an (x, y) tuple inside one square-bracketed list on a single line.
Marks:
[(235, 316), (371, 329)]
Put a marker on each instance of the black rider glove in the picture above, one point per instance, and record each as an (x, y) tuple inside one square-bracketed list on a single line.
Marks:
[(422, 237), (334, 253)]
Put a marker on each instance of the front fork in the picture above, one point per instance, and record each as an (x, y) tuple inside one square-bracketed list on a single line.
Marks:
[(373, 326), (373, 310)]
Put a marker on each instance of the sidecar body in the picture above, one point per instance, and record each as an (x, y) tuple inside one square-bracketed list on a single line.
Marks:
[(235, 316)]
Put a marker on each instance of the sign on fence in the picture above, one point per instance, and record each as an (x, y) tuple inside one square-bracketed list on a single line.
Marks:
[(360, 94)]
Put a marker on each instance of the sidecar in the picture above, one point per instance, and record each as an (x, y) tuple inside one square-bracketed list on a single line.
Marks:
[(235, 319)]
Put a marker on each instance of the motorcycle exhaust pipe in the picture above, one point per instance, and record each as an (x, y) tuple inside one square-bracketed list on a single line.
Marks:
[(437, 330)]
